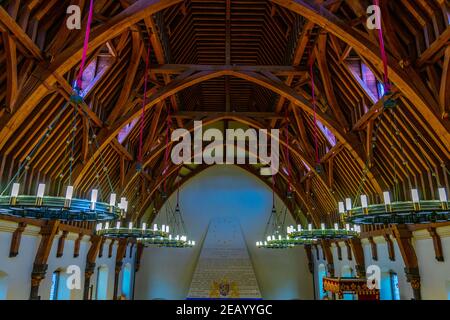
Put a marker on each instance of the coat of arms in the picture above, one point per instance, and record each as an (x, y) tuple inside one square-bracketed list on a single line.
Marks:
[(224, 289)]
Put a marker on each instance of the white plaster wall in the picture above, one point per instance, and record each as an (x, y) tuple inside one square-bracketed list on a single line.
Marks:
[(20, 267), (224, 191)]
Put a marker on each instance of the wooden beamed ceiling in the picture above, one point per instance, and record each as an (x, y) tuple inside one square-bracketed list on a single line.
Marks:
[(227, 62)]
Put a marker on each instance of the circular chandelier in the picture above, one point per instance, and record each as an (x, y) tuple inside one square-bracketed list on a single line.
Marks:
[(173, 217), (324, 233), (415, 211), (59, 208), (273, 242), (56, 207), (398, 210), (118, 231), (169, 242)]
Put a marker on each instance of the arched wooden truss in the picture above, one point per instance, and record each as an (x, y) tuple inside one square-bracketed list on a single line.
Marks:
[(229, 61)]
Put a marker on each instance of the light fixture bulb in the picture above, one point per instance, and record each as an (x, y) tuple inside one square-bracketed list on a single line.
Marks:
[(15, 190)]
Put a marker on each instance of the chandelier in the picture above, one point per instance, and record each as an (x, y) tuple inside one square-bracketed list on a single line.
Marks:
[(415, 211), (324, 233), (274, 237), (57, 207), (396, 209), (131, 231), (178, 238)]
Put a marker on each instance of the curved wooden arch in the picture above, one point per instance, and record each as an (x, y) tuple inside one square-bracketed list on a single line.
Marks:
[(174, 169), (243, 120), (39, 84), (278, 192), (406, 79), (177, 85)]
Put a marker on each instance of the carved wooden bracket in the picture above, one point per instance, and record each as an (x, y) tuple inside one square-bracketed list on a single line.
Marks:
[(96, 242), (317, 252), (139, 252), (339, 251), (358, 252), (76, 247), (349, 251), (61, 242), (110, 249), (310, 258), (48, 233), (100, 251), (16, 239), (390, 247), (374, 249), (120, 254), (436, 244), (403, 237), (326, 249)]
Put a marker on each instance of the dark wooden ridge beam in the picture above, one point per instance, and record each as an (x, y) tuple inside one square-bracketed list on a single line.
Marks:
[(180, 68)]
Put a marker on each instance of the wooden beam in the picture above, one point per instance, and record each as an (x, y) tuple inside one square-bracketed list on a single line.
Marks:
[(404, 241), (11, 71), (444, 92), (436, 47), (121, 250), (358, 252), (48, 233), (437, 244), (390, 247), (94, 251), (37, 86), (13, 28), (406, 79), (16, 239), (373, 248), (61, 242)]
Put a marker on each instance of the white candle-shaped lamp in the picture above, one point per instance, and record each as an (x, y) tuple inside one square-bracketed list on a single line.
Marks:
[(40, 194), (336, 226), (118, 225), (364, 204), (14, 194), (130, 225), (112, 201), (347, 227), (144, 226), (167, 229), (415, 199), (341, 207), (387, 201), (348, 204), (94, 194), (107, 225), (310, 227), (299, 227), (322, 226), (443, 198), (68, 199)]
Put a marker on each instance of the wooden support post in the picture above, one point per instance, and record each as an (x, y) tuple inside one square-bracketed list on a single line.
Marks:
[(121, 251), (76, 247), (110, 249), (139, 252), (390, 247), (373, 248), (358, 252), (15, 240), (339, 250), (436, 244), (61, 242), (96, 243), (48, 233), (403, 237), (349, 251), (317, 252), (100, 251), (309, 256), (326, 248)]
